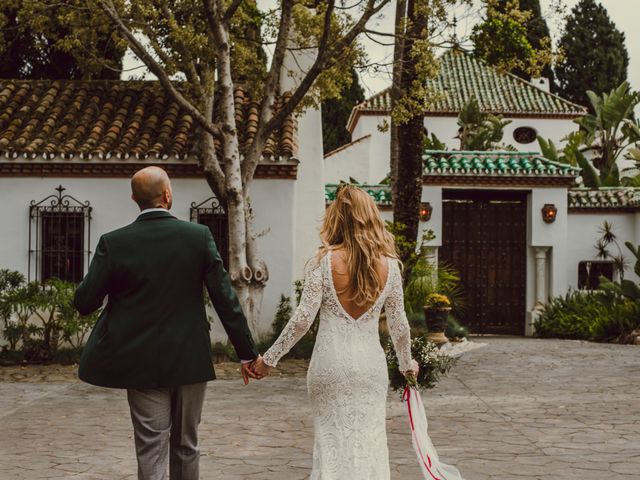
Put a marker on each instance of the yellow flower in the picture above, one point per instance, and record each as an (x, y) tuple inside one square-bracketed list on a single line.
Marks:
[(437, 299)]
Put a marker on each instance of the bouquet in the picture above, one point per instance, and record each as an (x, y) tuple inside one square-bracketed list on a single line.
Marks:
[(433, 364)]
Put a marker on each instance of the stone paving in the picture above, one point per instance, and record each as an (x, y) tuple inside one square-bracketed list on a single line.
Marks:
[(515, 409)]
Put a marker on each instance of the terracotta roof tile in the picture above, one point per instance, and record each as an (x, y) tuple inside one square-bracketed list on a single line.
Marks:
[(121, 119)]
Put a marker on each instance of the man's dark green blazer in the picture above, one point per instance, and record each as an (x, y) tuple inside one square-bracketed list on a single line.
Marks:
[(154, 331)]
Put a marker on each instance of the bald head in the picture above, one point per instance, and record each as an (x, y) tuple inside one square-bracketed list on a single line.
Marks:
[(151, 188)]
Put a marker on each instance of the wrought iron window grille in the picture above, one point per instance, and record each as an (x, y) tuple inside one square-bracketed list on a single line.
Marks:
[(590, 271), (59, 237), (212, 214)]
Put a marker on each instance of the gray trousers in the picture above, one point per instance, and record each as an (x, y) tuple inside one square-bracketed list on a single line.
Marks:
[(165, 425)]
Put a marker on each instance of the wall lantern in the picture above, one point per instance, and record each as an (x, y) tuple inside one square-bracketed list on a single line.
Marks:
[(425, 211), (549, 213)]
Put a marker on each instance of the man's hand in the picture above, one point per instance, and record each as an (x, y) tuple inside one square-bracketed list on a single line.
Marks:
[(247, 371), (260, 368)]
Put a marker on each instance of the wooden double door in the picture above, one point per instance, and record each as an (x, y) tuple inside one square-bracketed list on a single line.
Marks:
[(484, 238)]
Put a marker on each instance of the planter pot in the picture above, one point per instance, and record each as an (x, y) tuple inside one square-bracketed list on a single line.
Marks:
[(436, 320)]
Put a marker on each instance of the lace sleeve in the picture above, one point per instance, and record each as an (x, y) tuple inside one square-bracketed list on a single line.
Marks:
[(397, 321), (302, 318)]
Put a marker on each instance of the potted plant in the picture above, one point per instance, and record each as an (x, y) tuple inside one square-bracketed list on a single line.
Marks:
[(436, 311)]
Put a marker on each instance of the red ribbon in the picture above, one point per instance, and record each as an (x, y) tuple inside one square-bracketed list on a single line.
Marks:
[(406, 396)]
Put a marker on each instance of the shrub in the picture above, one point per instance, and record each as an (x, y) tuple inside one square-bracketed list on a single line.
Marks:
[(588, 316), (303, 348), (51, 304), (454, 329), (223, 352), (569, 316)]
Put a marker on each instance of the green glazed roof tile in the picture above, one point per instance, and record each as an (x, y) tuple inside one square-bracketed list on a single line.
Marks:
[(583, 198), (462, 77), (494, 164), (381, 194)]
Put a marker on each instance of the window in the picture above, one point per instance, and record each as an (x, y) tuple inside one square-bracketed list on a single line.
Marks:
[(589, 272), (524, 135), (58, 238), (211, 214)]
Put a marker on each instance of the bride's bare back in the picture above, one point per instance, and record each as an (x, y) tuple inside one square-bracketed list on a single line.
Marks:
[(344, 284)]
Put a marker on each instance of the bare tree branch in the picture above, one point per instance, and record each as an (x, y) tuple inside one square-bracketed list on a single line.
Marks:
[(270, 90), (323, 54), (192, 74), (235, 4), (142, 53)]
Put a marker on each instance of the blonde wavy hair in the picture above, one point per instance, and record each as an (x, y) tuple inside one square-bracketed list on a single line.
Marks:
[(353, 223)]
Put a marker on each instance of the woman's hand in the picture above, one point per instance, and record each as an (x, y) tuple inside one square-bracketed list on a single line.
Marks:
[(413, 371), (260, 368)]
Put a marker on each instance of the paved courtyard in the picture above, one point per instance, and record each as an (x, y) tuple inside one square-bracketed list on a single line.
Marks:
[(515, 409)]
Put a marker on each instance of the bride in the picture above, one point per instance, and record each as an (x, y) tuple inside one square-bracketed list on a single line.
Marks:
[(354, 275)]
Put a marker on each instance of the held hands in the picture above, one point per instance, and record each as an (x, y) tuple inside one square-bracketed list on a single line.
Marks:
[(260, 368), (256, 369), (247, 373)]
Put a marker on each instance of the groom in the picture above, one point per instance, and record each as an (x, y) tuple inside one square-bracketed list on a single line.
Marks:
[(153, 335)]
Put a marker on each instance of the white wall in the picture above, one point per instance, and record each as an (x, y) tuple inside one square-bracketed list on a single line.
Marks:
[(552, 235), (445, 128), (113, 208), (583, 234), (350, 162), (378, 154), (308, 200)]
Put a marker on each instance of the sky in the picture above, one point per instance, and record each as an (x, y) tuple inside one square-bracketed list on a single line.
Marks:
[(624, 13)]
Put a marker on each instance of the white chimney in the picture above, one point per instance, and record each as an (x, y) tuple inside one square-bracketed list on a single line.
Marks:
[(542, 83)]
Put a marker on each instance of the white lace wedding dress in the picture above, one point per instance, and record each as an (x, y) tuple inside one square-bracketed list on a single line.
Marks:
[(347, 379)]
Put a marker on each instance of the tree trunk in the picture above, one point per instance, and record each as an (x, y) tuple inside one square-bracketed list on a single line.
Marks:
[(396, 91), (260, 274), (236, 206), (408, 142)]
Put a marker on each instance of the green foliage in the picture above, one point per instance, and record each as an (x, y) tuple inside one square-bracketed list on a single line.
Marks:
[(595, 57), (38, 316), (73, 326), (428, 279), (514, 37), (570, 316), (336, 111), (624, 288), (574, 143), (10, 281), (589, 316), (433, 143), (408, 250), (223, 352), (455, 329), (607, 240), (609, 130), (609, 315), (604, 135), (43, 39), (479, 131)]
